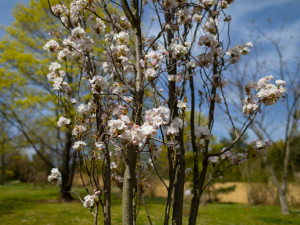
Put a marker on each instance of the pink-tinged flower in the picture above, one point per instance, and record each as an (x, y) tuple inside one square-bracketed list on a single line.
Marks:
[(89, 201)]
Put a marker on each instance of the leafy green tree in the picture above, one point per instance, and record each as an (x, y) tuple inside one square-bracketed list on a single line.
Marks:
[(27, 100)]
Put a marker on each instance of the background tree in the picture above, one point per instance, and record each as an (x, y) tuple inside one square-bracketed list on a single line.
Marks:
[(287, 69), (27, 100)]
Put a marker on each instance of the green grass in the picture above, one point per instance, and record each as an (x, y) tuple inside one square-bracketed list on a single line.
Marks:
[(22, 204)]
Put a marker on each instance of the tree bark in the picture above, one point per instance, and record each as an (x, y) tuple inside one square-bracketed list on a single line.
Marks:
[(128, 188), (179, 182), (282, 193), (199, 182), (3, 168), (67, 172), (281, 190), (107, 189), (171, 186), (129, 184), (196, 193), (198, 190), (283, 203)]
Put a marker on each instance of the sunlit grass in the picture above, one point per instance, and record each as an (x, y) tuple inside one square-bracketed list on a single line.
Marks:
[(22, 204)]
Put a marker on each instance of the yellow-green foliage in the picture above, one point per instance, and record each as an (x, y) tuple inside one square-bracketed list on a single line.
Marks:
[(23, 62)]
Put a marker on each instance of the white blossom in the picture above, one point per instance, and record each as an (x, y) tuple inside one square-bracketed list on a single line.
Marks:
[(175, 126), (78, 144), (214, 159), (182, 105), (63, 121), (150, 73), (116, 125), (98, 26), (88, 201), (202, 132), (51, 46), (260, 144), (55, 177), (78, 129)]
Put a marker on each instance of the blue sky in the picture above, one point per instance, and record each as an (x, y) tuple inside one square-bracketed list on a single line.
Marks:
[(243, 12), (6, 12)]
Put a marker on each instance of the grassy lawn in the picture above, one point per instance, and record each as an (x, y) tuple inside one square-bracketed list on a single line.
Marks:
[(22, 204)]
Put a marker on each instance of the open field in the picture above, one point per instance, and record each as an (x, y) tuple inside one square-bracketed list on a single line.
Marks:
[(22, 204)]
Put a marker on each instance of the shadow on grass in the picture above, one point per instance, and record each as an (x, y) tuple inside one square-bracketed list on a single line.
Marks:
[(272, 220), (295, 213), (18, 197), (286, 219)]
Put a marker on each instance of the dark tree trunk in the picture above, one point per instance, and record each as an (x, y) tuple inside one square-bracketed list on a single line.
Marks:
[(179, 183), (198, 190), (107, 189), (2, 169), (67, 169), (179, 154)]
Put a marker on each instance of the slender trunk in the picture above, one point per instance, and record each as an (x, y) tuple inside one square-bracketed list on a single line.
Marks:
[(283, 203), (197, 193), (66, 173), (281, 192), (107, 189), (129, 184), (179, 167), (96, 214), (3, 168), (171, 186), (199, 184), (179, 183), (128, 187)]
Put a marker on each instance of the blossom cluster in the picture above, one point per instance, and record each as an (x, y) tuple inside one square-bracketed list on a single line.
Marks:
[(235, 158), (135, 134), (266, 93), (90, 200), (55, 177)]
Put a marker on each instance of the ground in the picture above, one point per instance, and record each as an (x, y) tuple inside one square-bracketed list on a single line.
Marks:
[(24, 204)]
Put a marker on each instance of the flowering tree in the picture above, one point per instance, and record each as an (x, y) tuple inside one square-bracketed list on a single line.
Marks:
[(139, 88), (289, 112)]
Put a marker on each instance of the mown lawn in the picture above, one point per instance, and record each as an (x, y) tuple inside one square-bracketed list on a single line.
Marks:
[(22, 204)]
